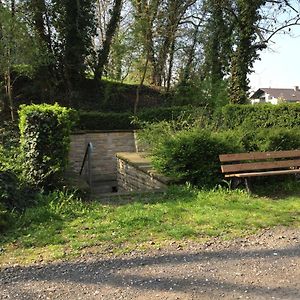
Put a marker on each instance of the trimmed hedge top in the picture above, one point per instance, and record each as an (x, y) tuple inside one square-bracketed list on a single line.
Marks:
[(124, 121), (230, 117), (260, 116)]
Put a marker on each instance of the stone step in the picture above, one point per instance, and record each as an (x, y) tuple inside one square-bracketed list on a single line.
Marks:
[(103, 187)]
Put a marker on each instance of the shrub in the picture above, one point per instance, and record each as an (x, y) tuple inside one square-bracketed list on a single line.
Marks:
[(259, 116), (272, 139), (9, 134), (169, 113), (277, 139), (15, 193), (9, 191), (123, 121), (193, 155), (199, 92), (45, 139), (4, 217), (104, 121)]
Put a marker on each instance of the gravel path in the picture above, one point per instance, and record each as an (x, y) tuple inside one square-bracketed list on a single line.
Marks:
[(263, 266)]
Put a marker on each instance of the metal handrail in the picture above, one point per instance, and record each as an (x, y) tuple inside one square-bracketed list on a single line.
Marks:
[(88, 158)]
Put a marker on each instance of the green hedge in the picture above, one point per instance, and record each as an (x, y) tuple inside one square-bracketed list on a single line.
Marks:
[(259, 116), (269, 139), (4, 217), (45, 140), (193, 155), (124, 121), (104, 121), (230, 117)]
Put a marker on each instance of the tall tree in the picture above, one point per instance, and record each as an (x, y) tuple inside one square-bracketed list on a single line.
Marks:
[(157, 23), (145, 16), (246, 18), (20, 51), (40, 16), (218, 40), (103, 52), (74, 27), (218, 43)]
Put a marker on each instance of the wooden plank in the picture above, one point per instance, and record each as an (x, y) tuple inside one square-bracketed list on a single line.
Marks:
[(267, 173), (256, 166), (258, 155)]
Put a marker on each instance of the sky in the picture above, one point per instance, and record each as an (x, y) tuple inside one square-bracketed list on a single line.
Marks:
[(279, 66)]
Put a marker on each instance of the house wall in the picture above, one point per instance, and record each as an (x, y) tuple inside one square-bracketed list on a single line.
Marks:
[(266, 98), (105, 146), (270, 99)]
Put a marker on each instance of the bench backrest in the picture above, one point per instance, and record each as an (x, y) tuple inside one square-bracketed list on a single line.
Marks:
[(255, 161)]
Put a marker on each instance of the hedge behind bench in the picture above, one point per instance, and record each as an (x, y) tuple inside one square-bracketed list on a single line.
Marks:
[(259, 116)]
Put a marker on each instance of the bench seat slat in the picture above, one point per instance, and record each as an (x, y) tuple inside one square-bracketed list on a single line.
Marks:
[(258, 155), (257, 166), (267, 173)]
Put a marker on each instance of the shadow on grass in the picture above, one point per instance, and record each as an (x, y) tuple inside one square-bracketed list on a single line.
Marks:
[(150, 274), (39, 227), (173, 194), (276, 187)]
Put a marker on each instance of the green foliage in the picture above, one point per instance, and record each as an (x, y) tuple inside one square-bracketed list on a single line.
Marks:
[(276, 139), (9, 134), (61, 227), (218, 42), (182, 150), (9, 189), (45, 139), (204, 93), (15, 194), (270, 139), (193, 155), (112, 120), (75, 25), (4, 217), (20, 50), (104, 121), (245, 53), (259, 116), (169, 113)]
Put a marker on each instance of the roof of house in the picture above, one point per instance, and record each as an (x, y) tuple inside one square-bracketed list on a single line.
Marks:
[(287, 94)]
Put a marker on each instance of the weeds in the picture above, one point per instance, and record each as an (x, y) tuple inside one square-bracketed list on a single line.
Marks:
[(62, 226)]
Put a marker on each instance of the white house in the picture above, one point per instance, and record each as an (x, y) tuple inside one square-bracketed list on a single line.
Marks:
[(275, 96)]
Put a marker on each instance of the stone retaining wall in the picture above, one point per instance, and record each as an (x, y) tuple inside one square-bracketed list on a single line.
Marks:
[(105, 146), (135, 173)]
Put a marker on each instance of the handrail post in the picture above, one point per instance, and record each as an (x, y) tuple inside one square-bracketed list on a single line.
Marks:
[(88, 158), (90, 151)]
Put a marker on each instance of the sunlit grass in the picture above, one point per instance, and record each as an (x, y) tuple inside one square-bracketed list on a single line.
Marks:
[(62, 226)]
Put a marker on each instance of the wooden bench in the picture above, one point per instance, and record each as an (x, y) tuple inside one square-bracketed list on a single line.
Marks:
[(242, 166)]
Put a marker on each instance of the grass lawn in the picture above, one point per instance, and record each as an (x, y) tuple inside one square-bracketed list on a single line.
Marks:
[(63, 227)]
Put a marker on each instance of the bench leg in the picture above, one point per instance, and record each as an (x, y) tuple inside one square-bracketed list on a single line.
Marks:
[(235, 182), (247, 185)]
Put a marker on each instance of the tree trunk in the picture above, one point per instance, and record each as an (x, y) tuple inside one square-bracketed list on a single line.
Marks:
[(39, 14), (138, 90), (191, 53), (13, 7), (172, 50), (8, 88), (103, 53)]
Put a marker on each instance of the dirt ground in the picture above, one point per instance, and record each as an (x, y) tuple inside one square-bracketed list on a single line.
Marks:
[(262, 266)]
